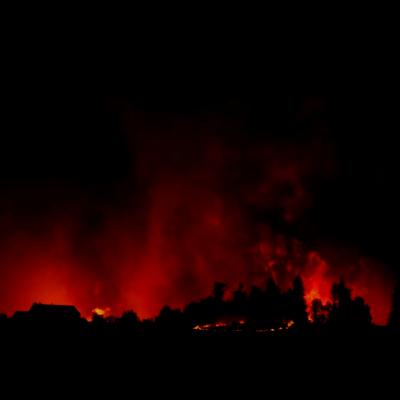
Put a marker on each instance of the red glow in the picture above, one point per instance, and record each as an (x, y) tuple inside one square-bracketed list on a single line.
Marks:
[(192, 222)]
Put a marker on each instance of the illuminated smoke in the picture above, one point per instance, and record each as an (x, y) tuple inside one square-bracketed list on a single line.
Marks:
[(200, 205)]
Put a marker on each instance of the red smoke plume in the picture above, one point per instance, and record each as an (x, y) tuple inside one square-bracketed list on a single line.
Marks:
[(201, 205)]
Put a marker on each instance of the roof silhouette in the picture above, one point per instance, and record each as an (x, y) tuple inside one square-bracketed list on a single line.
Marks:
[(54, 310)]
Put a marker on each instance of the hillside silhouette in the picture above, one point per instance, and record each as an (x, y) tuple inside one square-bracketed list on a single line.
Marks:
[(261, 311)]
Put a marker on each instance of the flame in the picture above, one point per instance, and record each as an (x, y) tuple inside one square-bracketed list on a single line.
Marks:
[(312, 295), (209, 327), (232, 327), (102, 312)]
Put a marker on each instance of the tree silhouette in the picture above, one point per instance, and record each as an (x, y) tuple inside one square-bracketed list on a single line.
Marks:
[(171, 321), (255, 306), (347, 313), (129, 322), (341, 294), (239, 303), (219, 291), (319, 312), (267, 310), (361, 313), (297, 307), (273, 304)]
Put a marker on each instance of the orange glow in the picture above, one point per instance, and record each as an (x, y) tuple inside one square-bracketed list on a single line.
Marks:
[(209, 327), (102, 312)]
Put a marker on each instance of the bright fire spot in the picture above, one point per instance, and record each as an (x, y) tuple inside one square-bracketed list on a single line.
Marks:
[(312, 295), (218, 326), (102, 312), (207, 327)]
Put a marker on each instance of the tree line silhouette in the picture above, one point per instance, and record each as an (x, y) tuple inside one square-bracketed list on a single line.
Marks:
[(260, 311)]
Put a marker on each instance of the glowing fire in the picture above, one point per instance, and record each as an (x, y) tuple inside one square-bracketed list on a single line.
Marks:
[(239, 326), (102, 312), (209, 327), (285, 327), (312, 295)]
